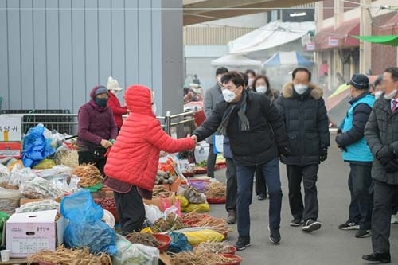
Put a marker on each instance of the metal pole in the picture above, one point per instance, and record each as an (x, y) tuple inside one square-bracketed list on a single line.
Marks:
[(168, 122)]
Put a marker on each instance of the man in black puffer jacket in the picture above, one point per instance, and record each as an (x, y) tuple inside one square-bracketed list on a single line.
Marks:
[(257, 136), (307, 127)]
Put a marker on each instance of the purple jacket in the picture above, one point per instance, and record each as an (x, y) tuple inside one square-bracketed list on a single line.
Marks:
[(95, 123)]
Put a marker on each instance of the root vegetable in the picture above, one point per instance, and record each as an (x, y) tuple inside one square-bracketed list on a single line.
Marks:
[(89, 175), (142, 238)]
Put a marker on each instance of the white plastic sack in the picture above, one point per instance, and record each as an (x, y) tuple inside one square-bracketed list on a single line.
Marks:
[(201, 152), (153, 213), (218, 144), (136, 254), (108, 218)]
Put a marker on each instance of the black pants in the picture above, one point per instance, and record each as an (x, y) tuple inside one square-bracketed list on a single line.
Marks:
[(232, 187), (131, 210), (93, 157), (261, 185), (211, 161), (308, 175), (381, 217), (359, 183)]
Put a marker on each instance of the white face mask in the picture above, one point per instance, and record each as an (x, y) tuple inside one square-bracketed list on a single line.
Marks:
[(300, 88), (250, 81), (261, 89), (378, 94), (154, 109), (229, 96), (391, 95)]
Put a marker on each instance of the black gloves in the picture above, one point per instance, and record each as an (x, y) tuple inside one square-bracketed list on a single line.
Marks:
[(338, 141), (284, 150), (392, 166), (385, 155), (323, 154)]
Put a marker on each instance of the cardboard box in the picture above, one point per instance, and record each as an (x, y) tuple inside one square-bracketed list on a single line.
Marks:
[(28, 233), (157, 201), (10, 149), (172, 187)]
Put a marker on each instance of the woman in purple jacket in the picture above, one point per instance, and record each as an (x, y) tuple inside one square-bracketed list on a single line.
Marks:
[(97, 129)]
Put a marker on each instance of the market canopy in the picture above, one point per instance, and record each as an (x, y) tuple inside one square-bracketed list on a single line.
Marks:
[(385, 39), (235, 60), (271, 35), (286, 59)]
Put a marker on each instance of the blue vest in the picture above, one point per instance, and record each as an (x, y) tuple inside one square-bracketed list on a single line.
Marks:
[(358, 151)]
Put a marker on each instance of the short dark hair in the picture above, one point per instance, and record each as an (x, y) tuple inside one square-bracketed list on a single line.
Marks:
[(221, 70), (301, 69), (236, 78), (245, 78), (261, 77), (377, 81), (250, 71), (394, 73)]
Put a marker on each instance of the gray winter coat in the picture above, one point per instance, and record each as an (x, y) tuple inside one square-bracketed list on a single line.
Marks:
[(382, 130), (213, 95)]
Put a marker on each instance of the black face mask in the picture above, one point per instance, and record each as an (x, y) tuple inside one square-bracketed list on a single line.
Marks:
[(101, 102)]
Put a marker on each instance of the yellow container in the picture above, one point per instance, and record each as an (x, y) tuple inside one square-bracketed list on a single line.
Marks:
[(5, 135)]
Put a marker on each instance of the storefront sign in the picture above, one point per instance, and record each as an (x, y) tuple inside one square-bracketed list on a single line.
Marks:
[(333, 41)]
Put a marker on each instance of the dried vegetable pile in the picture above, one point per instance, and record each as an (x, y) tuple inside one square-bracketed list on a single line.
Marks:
[(89, 175), (171, 223), (203, 220), (199, 258), (216, 190), (143, 238)]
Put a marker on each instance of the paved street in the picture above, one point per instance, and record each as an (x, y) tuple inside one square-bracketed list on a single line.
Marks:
[(327, 246)]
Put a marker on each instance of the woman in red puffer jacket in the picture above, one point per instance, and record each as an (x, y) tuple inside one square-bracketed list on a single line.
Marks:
[(132, 162)]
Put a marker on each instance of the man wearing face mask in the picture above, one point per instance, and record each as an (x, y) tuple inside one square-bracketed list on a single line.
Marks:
[(113, 102), (378, 87), (249, 120), (381, 133), (307, 125), (212, 97), (96, 129), (355, 150)]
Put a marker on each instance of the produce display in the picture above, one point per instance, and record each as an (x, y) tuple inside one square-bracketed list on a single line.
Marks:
[(214, 247), (38, 206), (89, 175), (68, 158), (216, 190), (106, 202), (171, 223), (203, 220), (199, 258), (164, 178), (40, 188), (194, 196), (142, 238), (65, 256)]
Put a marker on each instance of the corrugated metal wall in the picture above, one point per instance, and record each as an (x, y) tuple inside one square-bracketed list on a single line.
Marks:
[(52, 52)]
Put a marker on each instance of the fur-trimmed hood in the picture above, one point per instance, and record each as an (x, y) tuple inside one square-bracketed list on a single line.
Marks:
[(315, 91)]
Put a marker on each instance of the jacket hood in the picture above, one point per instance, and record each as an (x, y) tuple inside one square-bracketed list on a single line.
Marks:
[(92, 93), (138, 99), (315, 91)]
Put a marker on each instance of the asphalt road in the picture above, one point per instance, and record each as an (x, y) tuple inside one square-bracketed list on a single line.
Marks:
[(329, 245)]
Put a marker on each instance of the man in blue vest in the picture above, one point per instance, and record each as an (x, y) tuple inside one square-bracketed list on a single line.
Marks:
[(356, 152)]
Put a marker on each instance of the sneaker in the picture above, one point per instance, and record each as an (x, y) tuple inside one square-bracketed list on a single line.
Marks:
[(231, 217), (349, 226), (261, 197), (362, 233), (242, 243), (275, 236), (311, 226), (296, 222), (380, 257), (394, 219)]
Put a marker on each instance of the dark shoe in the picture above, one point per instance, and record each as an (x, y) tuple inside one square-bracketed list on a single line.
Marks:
[(380, 257), (261, 197), (362, 233), (242, 243), (231, 217), (349, 226), (311, 226), (296, 222), (275, 236)]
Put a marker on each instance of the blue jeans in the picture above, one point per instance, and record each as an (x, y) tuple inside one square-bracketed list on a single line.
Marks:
[(245, 175)]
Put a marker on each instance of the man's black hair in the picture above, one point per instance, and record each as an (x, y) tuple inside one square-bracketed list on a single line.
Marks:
[(301, 69), (236, 78), (394, 73), (250, 71), (245, 78), (221, 70)]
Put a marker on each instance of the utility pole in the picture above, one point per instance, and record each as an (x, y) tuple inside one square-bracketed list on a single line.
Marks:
[(366, 30)]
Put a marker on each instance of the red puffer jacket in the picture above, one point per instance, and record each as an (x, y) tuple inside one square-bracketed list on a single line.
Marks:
[(133, 158), (117, 110)]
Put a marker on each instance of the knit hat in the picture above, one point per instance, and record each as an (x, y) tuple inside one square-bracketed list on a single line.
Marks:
[(360, 81), (101, 90), (113, 84)]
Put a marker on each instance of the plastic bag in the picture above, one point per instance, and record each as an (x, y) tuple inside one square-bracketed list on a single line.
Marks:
[(4, 174), (199, 235), (201, 152), (85, 228), (153, 213), (39, 188), (21, 175), (200, 208), (218, 144), (3, 218), (36, 147), (9, 200), (136, 254), (108, 218), (38, 206), (179, 242)]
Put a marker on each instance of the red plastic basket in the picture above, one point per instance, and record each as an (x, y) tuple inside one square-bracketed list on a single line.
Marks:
[(235, 259), (231, 250), (216, 200), (164, 241)]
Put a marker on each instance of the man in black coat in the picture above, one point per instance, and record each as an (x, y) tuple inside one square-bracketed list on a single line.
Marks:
[(381, 133), (256, 133), (307, 126)]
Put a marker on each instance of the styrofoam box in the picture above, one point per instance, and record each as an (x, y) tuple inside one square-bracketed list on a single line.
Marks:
[(28, 233)]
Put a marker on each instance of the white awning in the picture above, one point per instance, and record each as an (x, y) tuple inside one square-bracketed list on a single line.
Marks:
[(273, 34), (235, 60)]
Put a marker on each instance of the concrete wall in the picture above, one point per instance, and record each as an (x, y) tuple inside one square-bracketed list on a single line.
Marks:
[(52, 52)]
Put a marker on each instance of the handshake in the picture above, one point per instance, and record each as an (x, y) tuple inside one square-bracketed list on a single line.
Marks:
[(194, 137)]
